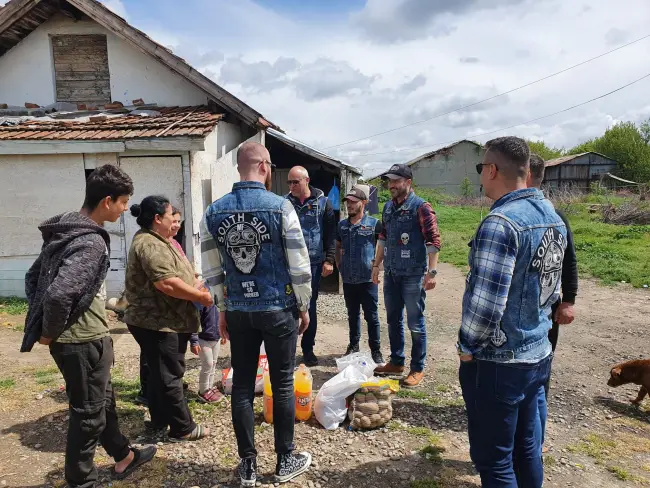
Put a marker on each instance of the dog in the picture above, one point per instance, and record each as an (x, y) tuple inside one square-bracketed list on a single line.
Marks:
[(637, 372)]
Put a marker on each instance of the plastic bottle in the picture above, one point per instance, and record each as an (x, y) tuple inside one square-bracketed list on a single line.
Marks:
[(268, 398), (303, 389)]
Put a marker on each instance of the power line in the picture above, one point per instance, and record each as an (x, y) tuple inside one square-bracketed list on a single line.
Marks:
[(509, 127), (490, 98)]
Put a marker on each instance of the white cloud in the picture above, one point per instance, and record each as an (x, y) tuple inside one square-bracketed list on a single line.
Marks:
[(399, 61)]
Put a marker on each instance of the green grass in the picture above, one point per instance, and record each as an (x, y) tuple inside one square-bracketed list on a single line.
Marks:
[(126, 390), (7, 384), (417, 395), (13, 305), (612, 253), (624, 475), (594, 446), (425, 483), (46, 376)]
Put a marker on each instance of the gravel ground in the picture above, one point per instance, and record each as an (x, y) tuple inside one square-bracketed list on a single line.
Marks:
[(596, 438)]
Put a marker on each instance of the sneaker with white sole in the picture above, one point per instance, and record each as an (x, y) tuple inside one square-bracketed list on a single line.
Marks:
[(248, 471), (291, 465)]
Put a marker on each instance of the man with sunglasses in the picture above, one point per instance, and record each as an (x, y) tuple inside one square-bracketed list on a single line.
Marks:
[(515, 262), (318, 222), (256, 263)]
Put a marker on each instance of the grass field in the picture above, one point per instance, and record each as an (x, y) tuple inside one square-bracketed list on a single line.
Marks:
[(612, 253)]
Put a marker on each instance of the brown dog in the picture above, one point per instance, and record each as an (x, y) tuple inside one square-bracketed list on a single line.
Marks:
[(637, 372)]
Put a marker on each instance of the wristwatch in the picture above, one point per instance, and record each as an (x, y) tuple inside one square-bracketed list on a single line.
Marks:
[(433, 272)]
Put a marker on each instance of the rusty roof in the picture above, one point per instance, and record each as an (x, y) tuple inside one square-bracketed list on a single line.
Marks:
[(196, 121), (570, 157), (18, 18)]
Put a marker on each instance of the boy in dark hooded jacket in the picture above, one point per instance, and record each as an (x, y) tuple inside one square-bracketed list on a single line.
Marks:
[(66, 293)]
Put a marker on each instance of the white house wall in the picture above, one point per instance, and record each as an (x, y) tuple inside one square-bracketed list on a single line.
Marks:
[(27, 71), (33, 189)]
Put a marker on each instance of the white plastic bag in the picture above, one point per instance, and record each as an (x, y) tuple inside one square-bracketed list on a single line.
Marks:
[(360, 360), (329, 407)]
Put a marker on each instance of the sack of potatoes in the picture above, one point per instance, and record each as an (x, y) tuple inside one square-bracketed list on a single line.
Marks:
[(371, 407)]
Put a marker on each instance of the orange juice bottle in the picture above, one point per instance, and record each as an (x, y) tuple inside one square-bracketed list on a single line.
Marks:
[(303, 386), (268, 398)]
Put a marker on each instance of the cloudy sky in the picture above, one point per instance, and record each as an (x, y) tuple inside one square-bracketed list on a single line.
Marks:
[(333, 71)]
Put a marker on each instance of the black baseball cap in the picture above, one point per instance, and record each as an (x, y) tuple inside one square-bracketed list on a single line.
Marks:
[(397, 171)]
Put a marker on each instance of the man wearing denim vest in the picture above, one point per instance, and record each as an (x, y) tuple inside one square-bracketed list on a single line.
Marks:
[(408, 247), (256, 263), (318, 223), (515, 265), (355, 252)]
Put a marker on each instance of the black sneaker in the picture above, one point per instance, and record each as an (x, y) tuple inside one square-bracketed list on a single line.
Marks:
[(352, 348), (291, 465), (377, 357), (309, 358), (248, 471)]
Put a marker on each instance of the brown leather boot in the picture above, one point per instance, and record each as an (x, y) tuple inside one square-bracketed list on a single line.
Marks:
[(389, 368), (413, 379)]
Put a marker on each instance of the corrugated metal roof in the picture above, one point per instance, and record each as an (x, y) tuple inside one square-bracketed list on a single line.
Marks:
[(196, 121), (571, 157), (304, 148)]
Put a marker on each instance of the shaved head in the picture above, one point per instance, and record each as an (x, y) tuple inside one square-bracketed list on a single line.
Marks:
[(251, 154), (299, 182), (298, 172), (254, 163)]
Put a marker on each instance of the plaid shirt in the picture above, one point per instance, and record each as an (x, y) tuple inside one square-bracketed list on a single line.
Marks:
[(428, 226), (492, 263), (295, 250)]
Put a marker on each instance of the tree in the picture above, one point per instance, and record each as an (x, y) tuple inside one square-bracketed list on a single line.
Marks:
[(645, 131), (546, 152), (627, 145)]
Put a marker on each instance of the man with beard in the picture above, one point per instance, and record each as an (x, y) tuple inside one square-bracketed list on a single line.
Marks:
[(252, 246), (318, 222), (355, 253), (408, 247)]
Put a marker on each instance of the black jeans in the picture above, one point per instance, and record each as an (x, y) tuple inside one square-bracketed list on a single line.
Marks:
[(309, 336), (86, 369), (363, 296), (164, 353), (144, 375), (279, 331), (553, 336)]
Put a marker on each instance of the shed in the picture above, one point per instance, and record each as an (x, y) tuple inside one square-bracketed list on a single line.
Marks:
[(451, 169), (577, 171)]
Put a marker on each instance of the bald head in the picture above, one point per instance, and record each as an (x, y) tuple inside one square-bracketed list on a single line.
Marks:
[(299, 182), (251, 154), (298, 172)]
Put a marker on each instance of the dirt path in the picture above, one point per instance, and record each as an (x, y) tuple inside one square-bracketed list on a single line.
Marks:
[(597, 439)]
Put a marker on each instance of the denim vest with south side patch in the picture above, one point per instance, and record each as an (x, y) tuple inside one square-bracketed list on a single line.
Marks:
[(311, 214), (522, 335), (357, 249), (247, 227), (405, 251)]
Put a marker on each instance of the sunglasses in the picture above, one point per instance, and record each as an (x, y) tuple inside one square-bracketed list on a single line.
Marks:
[(270, 164), (293, 182), (479, 167)]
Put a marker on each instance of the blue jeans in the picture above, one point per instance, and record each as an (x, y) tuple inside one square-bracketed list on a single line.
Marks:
[(400, 292), (502, 401), (309, 336), (363, 296)]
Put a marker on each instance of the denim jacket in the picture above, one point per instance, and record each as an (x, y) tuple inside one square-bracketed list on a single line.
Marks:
[(247, 227), (312, 216), (357, 249), (405, 252), (507, 304)]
